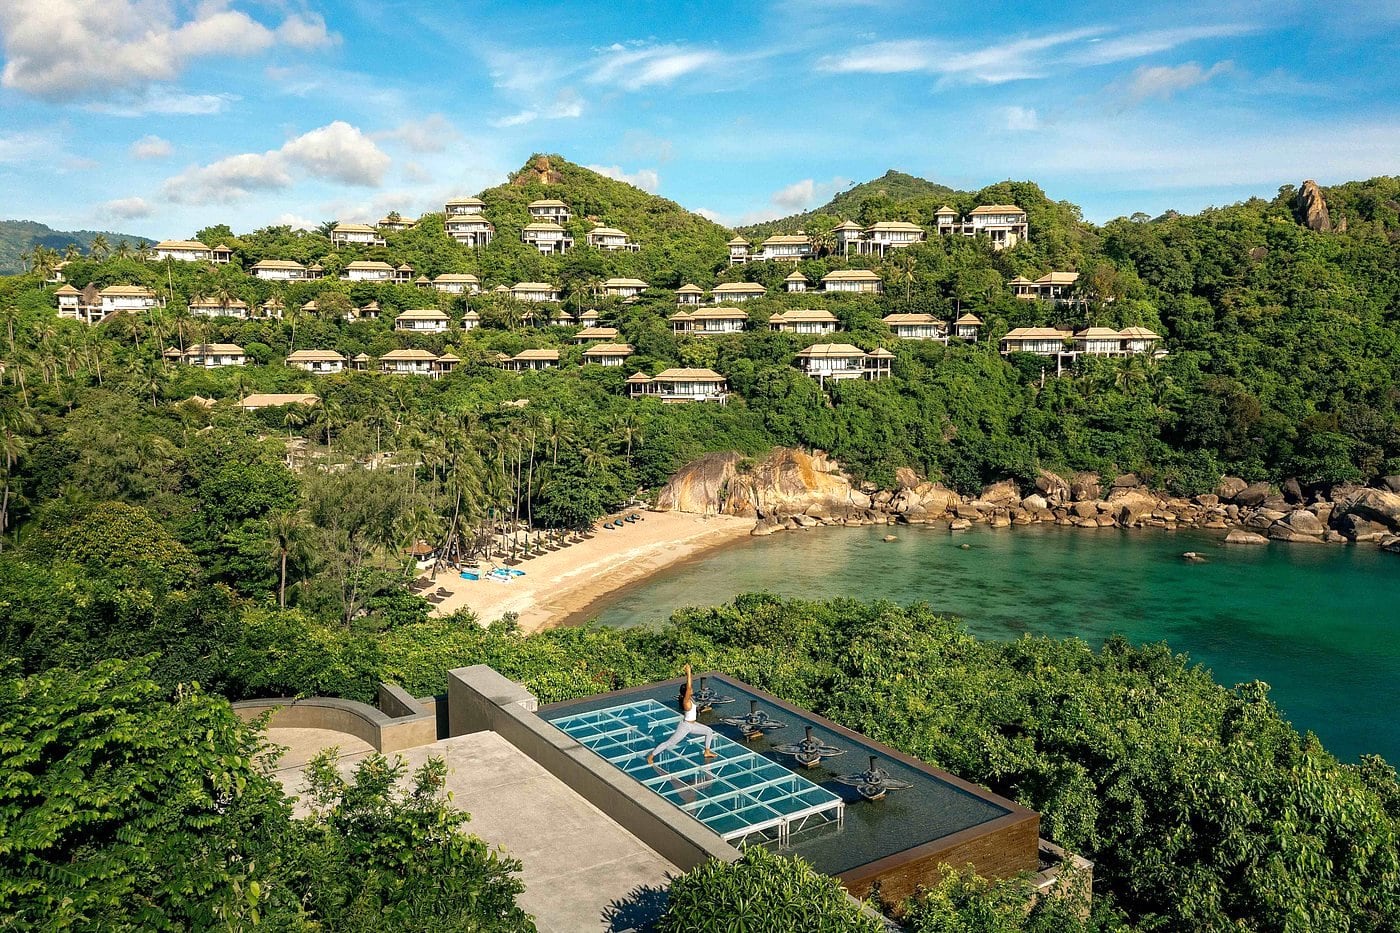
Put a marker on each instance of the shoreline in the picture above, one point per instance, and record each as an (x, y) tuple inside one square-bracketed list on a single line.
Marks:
[(560, 586)]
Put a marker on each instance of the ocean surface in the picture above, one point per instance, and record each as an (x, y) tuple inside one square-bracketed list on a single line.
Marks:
[(1320, 624)]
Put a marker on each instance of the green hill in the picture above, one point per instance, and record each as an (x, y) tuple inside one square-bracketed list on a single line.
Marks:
[(891, 190), (19, 237)]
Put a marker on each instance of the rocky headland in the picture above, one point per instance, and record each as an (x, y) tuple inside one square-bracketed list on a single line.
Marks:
[(792, 489)]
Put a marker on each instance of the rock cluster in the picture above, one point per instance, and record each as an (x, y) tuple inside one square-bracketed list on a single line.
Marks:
[(1312, 207), (792, 489)]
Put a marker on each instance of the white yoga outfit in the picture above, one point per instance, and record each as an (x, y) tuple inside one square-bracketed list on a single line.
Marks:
[(688, 726)]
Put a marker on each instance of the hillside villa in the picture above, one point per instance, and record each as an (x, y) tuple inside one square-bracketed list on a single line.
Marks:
[(368, 271), (739, 251), (422, 321), (796, 282), (464, 207), (471, 320), (690, 295), (1004, 225), (190, 251), (531, 360), (409, 363), (841, 361), (852, 280), (549, 238), (611, 239), (394, 223), (590, 334), (550, 210), (72, 306), (736, 291), (1053, 286), (624, 288), (469, 229), (208, 355), (885, 235), (279, 270), (457, 283), (116, 298), (967, 327), (915, 325), (319, 362), (804, 321), (708, 322), (534, 291), (785, 247), (1042, 341), (219, 307), (608, 354), (277, 399), (680, 385), (344, 234), (403, 275)]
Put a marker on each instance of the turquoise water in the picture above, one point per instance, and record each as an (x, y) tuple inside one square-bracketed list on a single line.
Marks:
[(1320, 624)]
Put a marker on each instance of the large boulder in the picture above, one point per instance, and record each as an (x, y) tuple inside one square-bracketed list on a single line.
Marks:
[(1001, 495), (1252, 495), (1230, 486), (1133, 506), (1378, 505), (1052, 487), (1311, 207), (1281, 531), (1085, 486), (1292, 490), (905, 478), (931, 498), (1390, 483), (787, 482), (1085, 509), (1305, 522), (1035, 503), (1359, 529), (1127, 481), (1236, 536)]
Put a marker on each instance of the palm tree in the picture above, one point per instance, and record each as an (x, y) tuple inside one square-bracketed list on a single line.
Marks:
[(71, 252), (13, 446), (123, 250), (99, 248), (285, 533)]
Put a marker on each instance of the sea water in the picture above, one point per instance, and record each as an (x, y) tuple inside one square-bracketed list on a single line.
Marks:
[(1319, 623)]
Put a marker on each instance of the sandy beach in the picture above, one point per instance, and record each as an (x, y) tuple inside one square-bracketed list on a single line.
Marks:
[(559, 584)]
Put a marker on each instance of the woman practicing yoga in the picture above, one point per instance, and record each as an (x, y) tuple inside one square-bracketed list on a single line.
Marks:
[(688, 726)]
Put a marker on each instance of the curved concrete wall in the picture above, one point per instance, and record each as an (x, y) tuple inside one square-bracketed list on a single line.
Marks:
[(413, 725)]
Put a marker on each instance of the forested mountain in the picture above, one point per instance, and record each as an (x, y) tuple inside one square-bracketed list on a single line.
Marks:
[(868, 198), (18, 238)]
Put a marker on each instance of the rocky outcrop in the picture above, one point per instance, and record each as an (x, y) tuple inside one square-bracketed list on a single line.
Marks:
[(1237, 536), (1377, 505), (785, 484), (1312, 207), (539, 172)]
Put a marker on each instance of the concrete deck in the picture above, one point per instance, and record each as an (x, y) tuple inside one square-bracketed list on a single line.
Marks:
[(582, 871)]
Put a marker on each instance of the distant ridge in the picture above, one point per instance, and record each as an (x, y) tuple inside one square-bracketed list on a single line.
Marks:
[(21, 236), (892, 186)]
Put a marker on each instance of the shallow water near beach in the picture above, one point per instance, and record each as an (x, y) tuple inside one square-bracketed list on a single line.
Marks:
[(1320, 624)]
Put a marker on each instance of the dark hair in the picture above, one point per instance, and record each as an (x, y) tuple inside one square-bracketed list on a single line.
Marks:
[(680, 698)]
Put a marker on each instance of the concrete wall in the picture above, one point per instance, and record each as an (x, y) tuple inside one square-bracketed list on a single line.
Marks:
[(480, 699), (403, 723)]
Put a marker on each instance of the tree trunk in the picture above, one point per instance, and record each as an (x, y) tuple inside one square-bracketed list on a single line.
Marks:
[(282, 583)]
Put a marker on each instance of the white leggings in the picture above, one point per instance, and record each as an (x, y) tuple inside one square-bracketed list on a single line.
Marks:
[(684, 729)]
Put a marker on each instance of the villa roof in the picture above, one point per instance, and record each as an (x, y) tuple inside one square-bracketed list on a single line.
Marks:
[(370, 306), (851, 275), (361, 357), (606, 231), (386, 219), (625, 283), (422, 314), (738, 288), (547, 202), (537, 355), (680, 316), (472, 219), (896, 225), (314, 356), (277, 264), (718, 314), (204, 349), (501, 290), (404, 268), (1034, 333), (609, 349), (352, 228), (465, 278), (830, 350), (846, 225), (880, 353), (1099, 333), (542, 225), (66, 289), (969, 318), (687, 375), (596, 333), (273, 399), (739, 241), (1020, 280), (449, 357), (637, 378), (310, 305), (910, 317), (533, 287), (453, 201), (997, 209), (795, 277), (408, 355), (787, 239), (690, 290), (1139, 333), (216, 303), (126, 291), (179, 244), (803, 314), (368, 264), (945, 209), (1058, 278)]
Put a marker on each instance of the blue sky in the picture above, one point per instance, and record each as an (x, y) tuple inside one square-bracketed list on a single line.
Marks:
[(158, 117)]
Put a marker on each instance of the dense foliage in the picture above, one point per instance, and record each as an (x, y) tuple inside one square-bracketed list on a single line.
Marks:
[(122, 808), (25, 243)]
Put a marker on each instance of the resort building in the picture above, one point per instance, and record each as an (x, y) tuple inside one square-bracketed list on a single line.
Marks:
[(804, 321), (403, 275), (1141, 340), (216, 307), (785, 247), (393, 223), (680, 385), (550, 210), (549, 238), (190, 251), (279, 270), (739, 251), (408, 363), (315, 271), (967, 327), (709, 322), (277, 400), (210, 355), (369, 311), (736, 291), (532, 360), (852, 280), (1099, 341), (1003, 224), (840, 361), (534, 291), (422, 321), (116, 298), (367, 271), (588, 318), (690, 295), (361, 363), (320, 362), (1042, 341), (915, 326), (796, 282), (611, 239), (886, 235), (272, 309), (590, 334), (56, 273), (471, 321), (624, 288), (464, 207), (560, 317), (355, 235), (457, 283), (848, 235), (608, 354), (470, 229), (1053, 286), (77, 306), (445, 364)]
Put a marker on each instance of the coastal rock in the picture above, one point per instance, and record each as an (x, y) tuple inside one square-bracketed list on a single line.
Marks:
[(1000, 520), (1132, 506), (905, 478), (1053, 488), (765, 527), (786, 482), (1391, 544), (1085, 509), (1282, 531), (1035, 503), (1230, 486), (1359, 529), (1002, 494), (1305, 522), (1311, 207), (1105, 521), (1253, 495), (1262, 518), (888, 538), (1085, 486), (1292, 490), (1127, 481), (1208, 500), (932, 498), (1390, 483), (1378, 505), (959, 524), (1245, 537)]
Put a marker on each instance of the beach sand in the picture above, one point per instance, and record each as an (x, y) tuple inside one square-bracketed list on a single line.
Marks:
[(561, 583)]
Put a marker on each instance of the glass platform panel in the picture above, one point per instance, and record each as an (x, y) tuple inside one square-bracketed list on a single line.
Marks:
[(738, 794)]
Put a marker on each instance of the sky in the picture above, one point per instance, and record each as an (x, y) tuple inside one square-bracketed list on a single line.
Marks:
[(159, 117)]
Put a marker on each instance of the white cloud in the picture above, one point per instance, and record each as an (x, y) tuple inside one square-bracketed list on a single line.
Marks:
[(432, 133), (295, 221), (150, 147), (801, 195), (567, 104), (162, 100), (1021, 119), (336, 152), (519, 118), (645, 178), (1141, 44), (66, 50), (1164, 81), (635, 67), (128, 208), (27, 147)]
